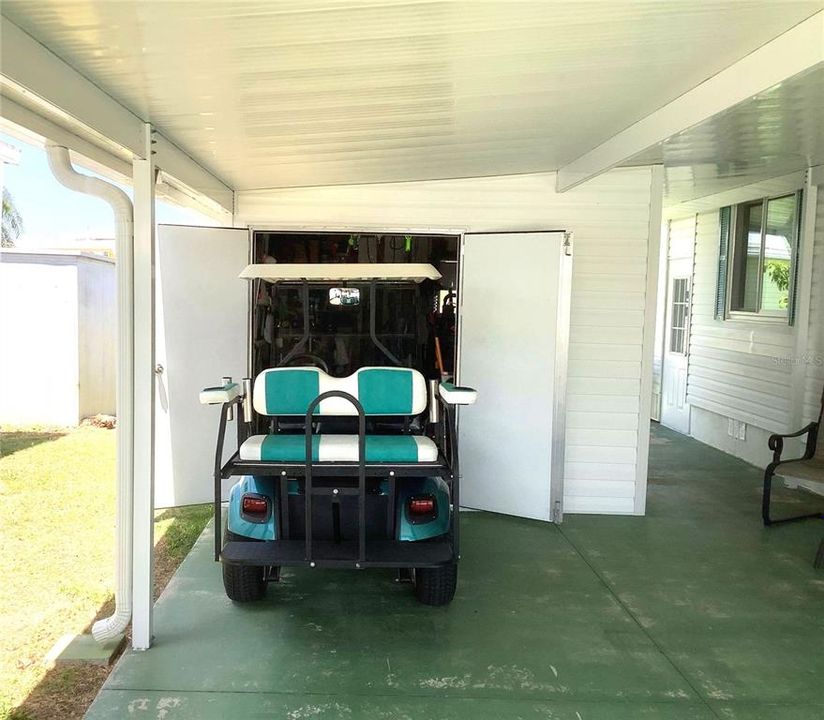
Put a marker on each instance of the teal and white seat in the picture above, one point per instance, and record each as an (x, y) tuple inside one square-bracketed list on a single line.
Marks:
[(339, 448), (382, 391)]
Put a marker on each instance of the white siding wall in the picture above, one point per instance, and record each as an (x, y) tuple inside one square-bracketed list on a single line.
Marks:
[(743, 369), (610, 219), (735, 365)]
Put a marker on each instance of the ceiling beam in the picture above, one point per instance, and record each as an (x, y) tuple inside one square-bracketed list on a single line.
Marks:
[(36, 126), (40, 88), (795, 51)]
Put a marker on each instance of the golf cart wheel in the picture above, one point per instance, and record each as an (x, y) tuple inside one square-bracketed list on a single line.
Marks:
[(436, 586), (243, 583)]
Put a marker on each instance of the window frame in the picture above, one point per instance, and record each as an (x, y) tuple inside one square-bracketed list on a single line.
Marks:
[(759, 315)]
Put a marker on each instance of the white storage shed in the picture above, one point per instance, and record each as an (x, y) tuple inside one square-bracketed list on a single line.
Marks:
[(58, 315)]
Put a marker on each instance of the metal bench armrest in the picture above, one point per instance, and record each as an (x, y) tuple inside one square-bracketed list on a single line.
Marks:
[(776, 443)]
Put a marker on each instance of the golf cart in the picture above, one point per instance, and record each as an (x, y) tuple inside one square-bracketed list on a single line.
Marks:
[(354, 471)]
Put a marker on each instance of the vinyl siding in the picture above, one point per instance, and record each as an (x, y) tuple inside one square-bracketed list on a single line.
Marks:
[(766, 374), (610, 219), (735, 366)]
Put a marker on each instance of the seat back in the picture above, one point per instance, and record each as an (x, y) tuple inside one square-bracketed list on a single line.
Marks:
[(380, 390)]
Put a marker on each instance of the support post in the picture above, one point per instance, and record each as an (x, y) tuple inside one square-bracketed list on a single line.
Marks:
[(144, 177), (803, 299), (656, 201)]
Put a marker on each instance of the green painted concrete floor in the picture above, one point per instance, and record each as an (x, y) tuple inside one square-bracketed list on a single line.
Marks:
[(694, 611)]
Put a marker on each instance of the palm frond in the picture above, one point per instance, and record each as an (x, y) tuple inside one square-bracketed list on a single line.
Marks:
[(12, 225)]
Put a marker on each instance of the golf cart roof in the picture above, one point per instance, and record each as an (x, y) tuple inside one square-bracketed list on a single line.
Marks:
[(334, 272)]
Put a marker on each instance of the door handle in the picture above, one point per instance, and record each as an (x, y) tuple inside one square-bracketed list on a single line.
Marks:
[(161, 388)]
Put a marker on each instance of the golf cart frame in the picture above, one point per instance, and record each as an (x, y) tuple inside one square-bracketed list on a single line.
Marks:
[(308, 479)]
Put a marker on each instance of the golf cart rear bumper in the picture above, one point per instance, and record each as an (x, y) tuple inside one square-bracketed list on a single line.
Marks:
[(379, 554)]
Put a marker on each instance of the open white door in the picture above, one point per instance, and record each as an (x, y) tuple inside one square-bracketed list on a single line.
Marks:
[(514, 334), (202, 310)]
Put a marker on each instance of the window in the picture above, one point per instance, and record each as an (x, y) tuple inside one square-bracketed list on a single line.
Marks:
[(763, 250), (680, 315)]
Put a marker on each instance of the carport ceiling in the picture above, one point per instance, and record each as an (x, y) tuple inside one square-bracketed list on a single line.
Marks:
[(776, 132), (280, 94)]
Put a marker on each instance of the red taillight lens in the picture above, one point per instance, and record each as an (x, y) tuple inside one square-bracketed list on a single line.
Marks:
[(424, 505), (254, 505)]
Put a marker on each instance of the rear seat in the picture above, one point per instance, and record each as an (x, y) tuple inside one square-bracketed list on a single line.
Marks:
[(382, 391)]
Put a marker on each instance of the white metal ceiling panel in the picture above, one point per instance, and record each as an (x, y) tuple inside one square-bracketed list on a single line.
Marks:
[(773, 134), (278, 94)]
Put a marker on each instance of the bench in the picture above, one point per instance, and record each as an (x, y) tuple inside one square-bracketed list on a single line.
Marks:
[(806, 471)]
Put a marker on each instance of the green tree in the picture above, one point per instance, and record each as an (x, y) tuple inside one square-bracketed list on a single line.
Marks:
[(12, 222), (779, 272)]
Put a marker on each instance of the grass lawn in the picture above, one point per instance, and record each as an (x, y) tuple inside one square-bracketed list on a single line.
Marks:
[(57, 562)]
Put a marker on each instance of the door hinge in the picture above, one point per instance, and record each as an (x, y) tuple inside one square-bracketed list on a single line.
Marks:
[(568, 244)]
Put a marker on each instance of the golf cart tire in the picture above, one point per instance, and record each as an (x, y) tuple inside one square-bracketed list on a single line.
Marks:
[(436, 586), (243, 583)]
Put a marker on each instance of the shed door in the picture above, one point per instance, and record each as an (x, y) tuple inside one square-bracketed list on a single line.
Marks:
[(201, 324), (513, 347)]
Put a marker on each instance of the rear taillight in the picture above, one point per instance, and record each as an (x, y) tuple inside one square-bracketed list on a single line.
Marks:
[(421, 506), (254, 507)]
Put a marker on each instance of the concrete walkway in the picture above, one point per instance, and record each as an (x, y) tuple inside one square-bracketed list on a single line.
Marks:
[(694, 611)]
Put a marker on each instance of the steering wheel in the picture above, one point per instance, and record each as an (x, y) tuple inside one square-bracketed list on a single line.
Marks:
[(313, 360)]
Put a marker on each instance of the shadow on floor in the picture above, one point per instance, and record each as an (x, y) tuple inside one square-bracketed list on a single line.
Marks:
[(12, 442)]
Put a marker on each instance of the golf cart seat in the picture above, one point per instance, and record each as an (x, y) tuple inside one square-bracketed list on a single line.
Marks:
[(381, 391), (339, 448)]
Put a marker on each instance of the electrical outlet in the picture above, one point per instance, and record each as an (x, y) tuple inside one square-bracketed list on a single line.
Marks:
[(737, 429)]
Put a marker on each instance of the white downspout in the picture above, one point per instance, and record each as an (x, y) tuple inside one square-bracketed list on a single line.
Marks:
[(61, 167)]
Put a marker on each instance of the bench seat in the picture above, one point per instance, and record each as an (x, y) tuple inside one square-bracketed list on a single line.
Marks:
[(811, 470), (339, 448)]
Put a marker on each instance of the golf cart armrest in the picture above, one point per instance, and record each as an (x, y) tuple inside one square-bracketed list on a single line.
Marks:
[(219, 395), (455, 395), (776, 442)]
